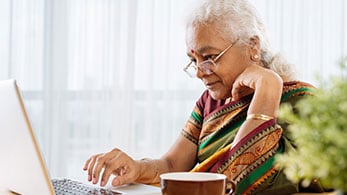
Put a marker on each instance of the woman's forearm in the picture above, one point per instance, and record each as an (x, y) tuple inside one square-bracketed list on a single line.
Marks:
[(265, 102)]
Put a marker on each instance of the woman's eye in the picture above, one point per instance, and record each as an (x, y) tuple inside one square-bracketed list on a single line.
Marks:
[(209, 57)]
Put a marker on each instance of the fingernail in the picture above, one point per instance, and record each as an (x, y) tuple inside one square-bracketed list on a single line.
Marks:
[(102, 183), (94, 180), (116, 182), (89, 177)]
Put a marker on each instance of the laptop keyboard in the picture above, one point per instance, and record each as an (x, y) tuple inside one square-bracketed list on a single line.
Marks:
[(69, 187)]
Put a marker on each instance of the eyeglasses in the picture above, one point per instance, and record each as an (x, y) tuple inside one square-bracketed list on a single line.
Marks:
[(206, 66)]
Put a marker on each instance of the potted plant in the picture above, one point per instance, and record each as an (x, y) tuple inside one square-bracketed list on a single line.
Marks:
[(318, 128)]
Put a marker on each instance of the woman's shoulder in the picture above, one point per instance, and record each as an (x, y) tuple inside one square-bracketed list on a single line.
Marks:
[(297, 84), (296, 89)]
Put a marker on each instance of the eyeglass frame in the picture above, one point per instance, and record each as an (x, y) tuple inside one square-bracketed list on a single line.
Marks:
[(205, 69)]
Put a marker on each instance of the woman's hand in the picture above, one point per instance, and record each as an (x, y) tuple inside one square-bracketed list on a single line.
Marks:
[(127, 170), (114, 162), (257, 79)]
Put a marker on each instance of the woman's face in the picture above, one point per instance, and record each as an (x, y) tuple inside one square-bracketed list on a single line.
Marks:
[(204, 43)]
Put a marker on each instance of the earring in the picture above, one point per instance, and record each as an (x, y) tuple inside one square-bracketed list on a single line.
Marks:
[(255, 57)]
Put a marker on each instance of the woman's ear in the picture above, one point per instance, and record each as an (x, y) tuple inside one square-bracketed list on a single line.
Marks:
[(254, 49)]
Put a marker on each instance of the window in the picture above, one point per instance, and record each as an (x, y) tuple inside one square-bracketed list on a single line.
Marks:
[(102, 74)]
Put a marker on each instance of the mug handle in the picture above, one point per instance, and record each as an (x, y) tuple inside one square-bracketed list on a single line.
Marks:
[(230, 188)]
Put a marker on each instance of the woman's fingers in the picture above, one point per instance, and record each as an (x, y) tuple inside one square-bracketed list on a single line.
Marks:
[(112, 167), (114, 162), (240, 91), (86, 164), (99, 165), (243, 85), (123, 178), (250, 79), (103, 162), (91, 163)]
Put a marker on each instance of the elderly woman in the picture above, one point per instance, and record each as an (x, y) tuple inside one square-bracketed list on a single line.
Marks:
[(233, 128)]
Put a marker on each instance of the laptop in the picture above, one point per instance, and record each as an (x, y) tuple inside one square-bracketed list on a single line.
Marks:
[(22, 167)]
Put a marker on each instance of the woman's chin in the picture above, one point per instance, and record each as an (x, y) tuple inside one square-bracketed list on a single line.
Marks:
[(217, 95)]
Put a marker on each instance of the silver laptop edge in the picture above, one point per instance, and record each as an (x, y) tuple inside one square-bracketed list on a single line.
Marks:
[(25, 176)]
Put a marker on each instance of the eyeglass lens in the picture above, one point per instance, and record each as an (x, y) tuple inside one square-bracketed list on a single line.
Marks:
[(205, 67)]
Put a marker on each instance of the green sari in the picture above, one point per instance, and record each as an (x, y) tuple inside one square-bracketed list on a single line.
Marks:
[(251, 163)]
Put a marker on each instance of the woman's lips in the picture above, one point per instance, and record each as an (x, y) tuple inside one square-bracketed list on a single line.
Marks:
[(210, 85)]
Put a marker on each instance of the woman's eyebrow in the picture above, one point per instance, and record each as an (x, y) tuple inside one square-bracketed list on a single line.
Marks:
[(207, 48), (202, 50)]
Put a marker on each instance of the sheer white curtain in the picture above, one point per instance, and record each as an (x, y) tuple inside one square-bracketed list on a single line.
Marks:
[(98, 74), (312, 34)]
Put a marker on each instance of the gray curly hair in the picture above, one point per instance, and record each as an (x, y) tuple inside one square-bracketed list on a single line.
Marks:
[(239, 19)]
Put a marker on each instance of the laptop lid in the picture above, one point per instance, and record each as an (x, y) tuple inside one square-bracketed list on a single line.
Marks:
[(22, 168)]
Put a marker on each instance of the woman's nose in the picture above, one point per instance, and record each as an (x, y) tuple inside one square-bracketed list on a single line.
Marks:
[(200, 73)]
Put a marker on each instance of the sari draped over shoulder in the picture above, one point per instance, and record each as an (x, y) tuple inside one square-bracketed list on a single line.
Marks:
[(250, 164)]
